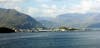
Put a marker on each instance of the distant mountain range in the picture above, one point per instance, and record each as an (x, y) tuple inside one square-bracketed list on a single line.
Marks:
[(96, 25), (14, 19), (72, 19)]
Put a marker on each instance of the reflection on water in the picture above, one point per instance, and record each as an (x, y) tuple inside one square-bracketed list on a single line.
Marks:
[(51, 40)]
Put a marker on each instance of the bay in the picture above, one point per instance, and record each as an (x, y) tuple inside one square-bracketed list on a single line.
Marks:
[(51, 40)]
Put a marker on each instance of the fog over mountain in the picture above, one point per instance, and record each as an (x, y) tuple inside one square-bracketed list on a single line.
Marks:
[(73, 19)]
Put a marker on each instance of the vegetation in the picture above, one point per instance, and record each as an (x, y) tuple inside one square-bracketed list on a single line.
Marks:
[(63, 28), (73, 29), (69, 29), (11, 18), (6, 30)]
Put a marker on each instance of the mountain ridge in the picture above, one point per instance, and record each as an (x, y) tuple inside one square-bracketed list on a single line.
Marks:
[(11, 18), (74, 19)]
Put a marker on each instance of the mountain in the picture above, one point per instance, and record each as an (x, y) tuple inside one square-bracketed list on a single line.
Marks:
[(48, 22), (13, 19), (68, 19), (95, 22), (79, 19), (73, 19), (96, 25)]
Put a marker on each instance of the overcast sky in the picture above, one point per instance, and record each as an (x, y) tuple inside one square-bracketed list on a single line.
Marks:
[(51, 8)]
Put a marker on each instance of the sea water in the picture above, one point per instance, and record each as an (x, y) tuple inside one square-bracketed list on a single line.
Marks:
[(51, 40)]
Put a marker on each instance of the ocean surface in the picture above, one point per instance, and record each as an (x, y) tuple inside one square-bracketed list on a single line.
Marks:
[(51, 40)]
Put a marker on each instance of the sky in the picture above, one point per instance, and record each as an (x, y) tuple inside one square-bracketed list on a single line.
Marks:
[(51, 8)]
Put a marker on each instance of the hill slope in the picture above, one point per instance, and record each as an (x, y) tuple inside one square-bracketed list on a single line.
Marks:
[(14, 19)]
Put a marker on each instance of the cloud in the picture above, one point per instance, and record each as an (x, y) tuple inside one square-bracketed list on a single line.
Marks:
[(52, 8), (42, 1), (32, 11), (86, 6), (83, 7), (45, 6), (96, 6), (11, 3)]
